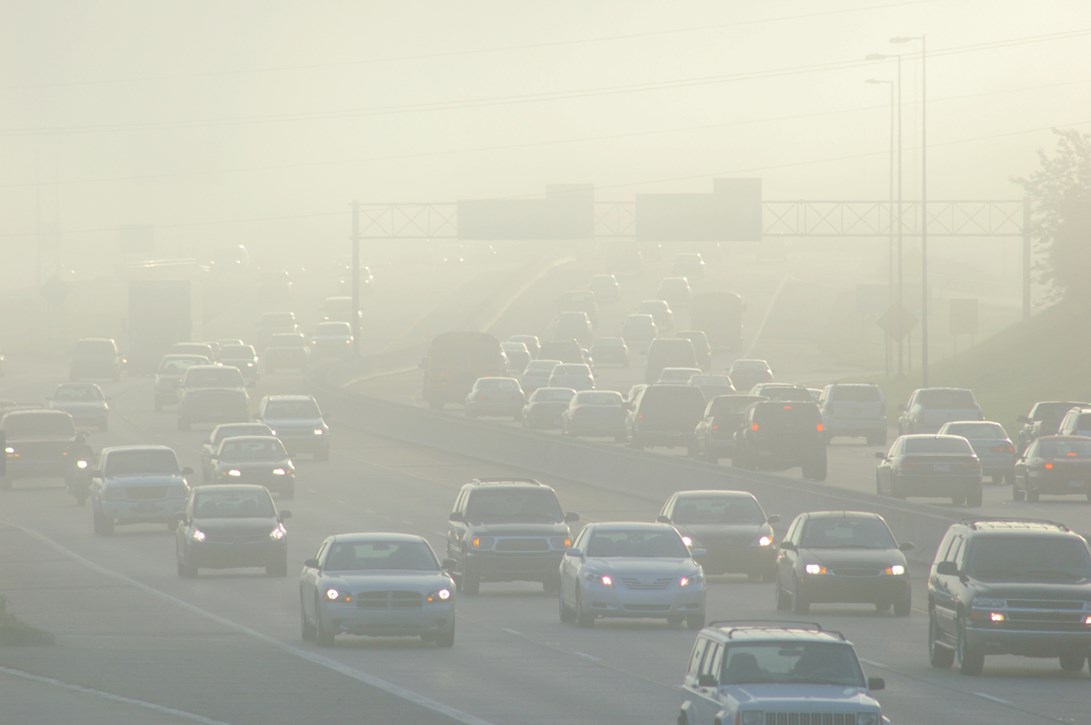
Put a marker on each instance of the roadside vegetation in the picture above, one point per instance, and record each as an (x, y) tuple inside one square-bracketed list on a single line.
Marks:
[(14, 631)]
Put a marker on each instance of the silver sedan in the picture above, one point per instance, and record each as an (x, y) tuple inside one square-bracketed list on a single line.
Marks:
[(377, 584)]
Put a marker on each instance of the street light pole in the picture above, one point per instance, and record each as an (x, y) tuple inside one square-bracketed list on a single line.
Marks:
[(356, 278), (890, 214)]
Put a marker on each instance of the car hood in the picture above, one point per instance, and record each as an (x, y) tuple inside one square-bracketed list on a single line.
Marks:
[(623, 565), (852, 558), (385, 579), (247, 525), (144, 479), (1060, 590), (801, 697)]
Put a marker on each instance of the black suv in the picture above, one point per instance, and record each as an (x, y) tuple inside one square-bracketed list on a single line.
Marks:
[(777, 435), (508, 530), (1009, 586)]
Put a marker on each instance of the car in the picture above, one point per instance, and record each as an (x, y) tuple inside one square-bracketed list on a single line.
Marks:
[(287, 350), (260, 460), (854, 410), (1016, 587), (84, 402), (664, 415), (732, 528), (242, 357), (507, 529), (767, 673), (537, 374), (660, 311), (580, 301), (574, 325), (610, 351), (517, 354), (675, 291), (339, 309), (577, 376), (566, 351), (366, 279), (842, 556), (991, 445), (664, 352), (297, 421), (702, 351), (545, 406), (229, 527), (714, 436), (272, 323), (137, 484), (1055, 465), (332, 340), (496, 397), (605, 287), (168, 376), (595, 413), (638, 330), (201, 349), (198, 377), (227, 430), (745, 373), (929, 408), (1076, 422), (711, 385), (534, 345), (631, 570), (1043, 419), (689, 264), (777, 435), (379, 584), (941, 466), (677, 376), (3, 361), (783, 391), (212, 405), (38, 443), (96, 357)]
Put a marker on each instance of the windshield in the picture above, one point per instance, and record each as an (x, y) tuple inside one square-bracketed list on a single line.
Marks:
[(1070, 448), (1012, 558), (47, 424), (975, 430), (514, 505), (251, 449), (846, 533), (938, 445), (599, 397), (78, 393), (855, 394), (381, 555), (717, 510), (647, 543), (239, 429), (826, 663), (180, 364), (211, 504), (152, 460), (943, 398), (292, 409), (214, 377)]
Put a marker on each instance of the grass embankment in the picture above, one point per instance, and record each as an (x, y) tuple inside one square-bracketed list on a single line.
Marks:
[(14, 631)]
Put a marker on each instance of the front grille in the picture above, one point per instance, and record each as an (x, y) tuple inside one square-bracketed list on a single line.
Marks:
[(228, 537), (647, 607), (389, 600), (810, 718), (856, 571), (522, 545), (632, 582), (146, 493), (1045, 604)]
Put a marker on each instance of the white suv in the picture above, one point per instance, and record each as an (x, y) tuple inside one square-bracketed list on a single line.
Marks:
[(751, 674), (854, 409)]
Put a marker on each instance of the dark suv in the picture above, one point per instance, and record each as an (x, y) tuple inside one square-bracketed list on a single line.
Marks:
[(777, 435), (508, 530), (1009, 586)]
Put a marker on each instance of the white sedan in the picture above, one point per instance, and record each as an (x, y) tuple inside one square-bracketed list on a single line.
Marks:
[(636, 570), (377, 584)]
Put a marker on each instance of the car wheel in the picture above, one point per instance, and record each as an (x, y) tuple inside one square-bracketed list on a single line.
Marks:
[(800, 605), (322, 634), (970, 661), (974, 498), (278, 569), (903, 606), (675, 621), (783, 601), (185, 569), (566, 615), (697, 621), (958, 500), (583, 619), (306, 629), (551, 584), (938, 655), (446, 638), (1032, 495), (1017, 494), (103, 526), (470, 583), (1009, 478), (1072, 661)]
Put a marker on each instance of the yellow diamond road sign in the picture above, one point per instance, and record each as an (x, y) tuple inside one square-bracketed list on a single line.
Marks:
[(898, 322)]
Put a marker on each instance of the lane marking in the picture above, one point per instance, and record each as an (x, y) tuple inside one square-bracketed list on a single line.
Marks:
[(516, 632), (593, 658), (768, 313), (992, 698), (102, 694), (873, 663), (312, 657)]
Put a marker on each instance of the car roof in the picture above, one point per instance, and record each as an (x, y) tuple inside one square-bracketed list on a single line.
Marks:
[(507, 482), (287, 397), (713, 492), (776, 631), (230, 487), (371, 536), (843, 515), (137, 447)]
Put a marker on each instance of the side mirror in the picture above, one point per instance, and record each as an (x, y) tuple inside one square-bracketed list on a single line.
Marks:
[(906, 546), (698, 553), (773, 519), (448, 565), (788, 546), (707, 680), (876, 683), (663, 519), (311, 563), (880, 455), (457, 516), (947, 568), (574, 553), (571, 517), (187, 471), (285, 515)]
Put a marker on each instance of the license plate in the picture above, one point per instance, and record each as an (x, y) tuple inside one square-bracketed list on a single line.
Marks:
[(942, 468), (1076, 484)]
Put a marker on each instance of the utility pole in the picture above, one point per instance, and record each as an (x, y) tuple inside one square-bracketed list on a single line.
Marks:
[(356, 278)]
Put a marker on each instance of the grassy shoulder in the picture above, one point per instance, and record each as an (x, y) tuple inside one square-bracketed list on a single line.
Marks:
[(14, 631)]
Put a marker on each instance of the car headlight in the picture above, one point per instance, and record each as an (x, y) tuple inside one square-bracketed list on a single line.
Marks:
[(198, 535), (319, 431), (560, 542), (481, 543), (333, 595), (688, 541), (691, 580), (278, 533), (894, 570), (814, 569), (440, 596), (272, 432), (989, 603), (868, 718), (234, 472), (81, 465), (754, 717), (9, 450), (765, 541), (604, 579), (280, 472)]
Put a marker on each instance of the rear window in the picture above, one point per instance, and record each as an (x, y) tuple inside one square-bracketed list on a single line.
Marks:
[(976, 430), (542, 366), (1083, 421), (944, 398), (728, 404), (710, 380), (855, 394), (497, 384), (237, 352), (673, 401), (599, 397), (214, 378), (96, 348), (717, 510), (788, 414), (1063, 448), (78, 393), (292, 409), (552, 395), (750, 365), (44, 423), (179, 364), (572, 369), (938, 445)]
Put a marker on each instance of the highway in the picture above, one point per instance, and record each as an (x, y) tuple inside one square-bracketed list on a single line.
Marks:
[(147, 646)]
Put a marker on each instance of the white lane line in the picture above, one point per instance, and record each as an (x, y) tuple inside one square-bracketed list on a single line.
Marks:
[(766, 316), (161, 709), (516, 632), (313, 657), (992, 698), (586, 656), (873, 663)]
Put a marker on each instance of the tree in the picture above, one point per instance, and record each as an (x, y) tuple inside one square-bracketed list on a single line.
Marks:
[(1060, 196)]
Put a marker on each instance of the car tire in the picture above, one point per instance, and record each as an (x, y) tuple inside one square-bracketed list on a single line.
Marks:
[(781, 599), (903, 606), (566, 615), (697, 621), (551, 584), (322, 635), (800, 605), (1072, 661), (883, 607), (446, 638), (1032, 496), (470, 583), (1018, 494), (583, 619), (939, 656), (958, 500), (186, 570), (306, 629), (970, 661), (974, 499), (103, 526)]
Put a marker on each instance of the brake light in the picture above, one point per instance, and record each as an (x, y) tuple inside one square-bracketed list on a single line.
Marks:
[(1048, 466), (714, 427), (1004, 448), (787, 407), (754, 426), (819, 427), (1071, 454)]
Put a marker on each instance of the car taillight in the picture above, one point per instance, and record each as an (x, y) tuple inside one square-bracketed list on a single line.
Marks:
[(714, 427), (640, 417), (754, 426), (1048, 466), (1003, 448), (819, 427)]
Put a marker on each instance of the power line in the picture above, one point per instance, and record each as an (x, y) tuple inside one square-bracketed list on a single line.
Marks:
[(527, 98)]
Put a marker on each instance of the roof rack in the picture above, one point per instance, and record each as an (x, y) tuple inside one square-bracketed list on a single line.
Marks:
[(973, 523), (734, 625)]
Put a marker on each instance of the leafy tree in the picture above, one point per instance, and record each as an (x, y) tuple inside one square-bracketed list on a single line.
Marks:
[(1060, 196)]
